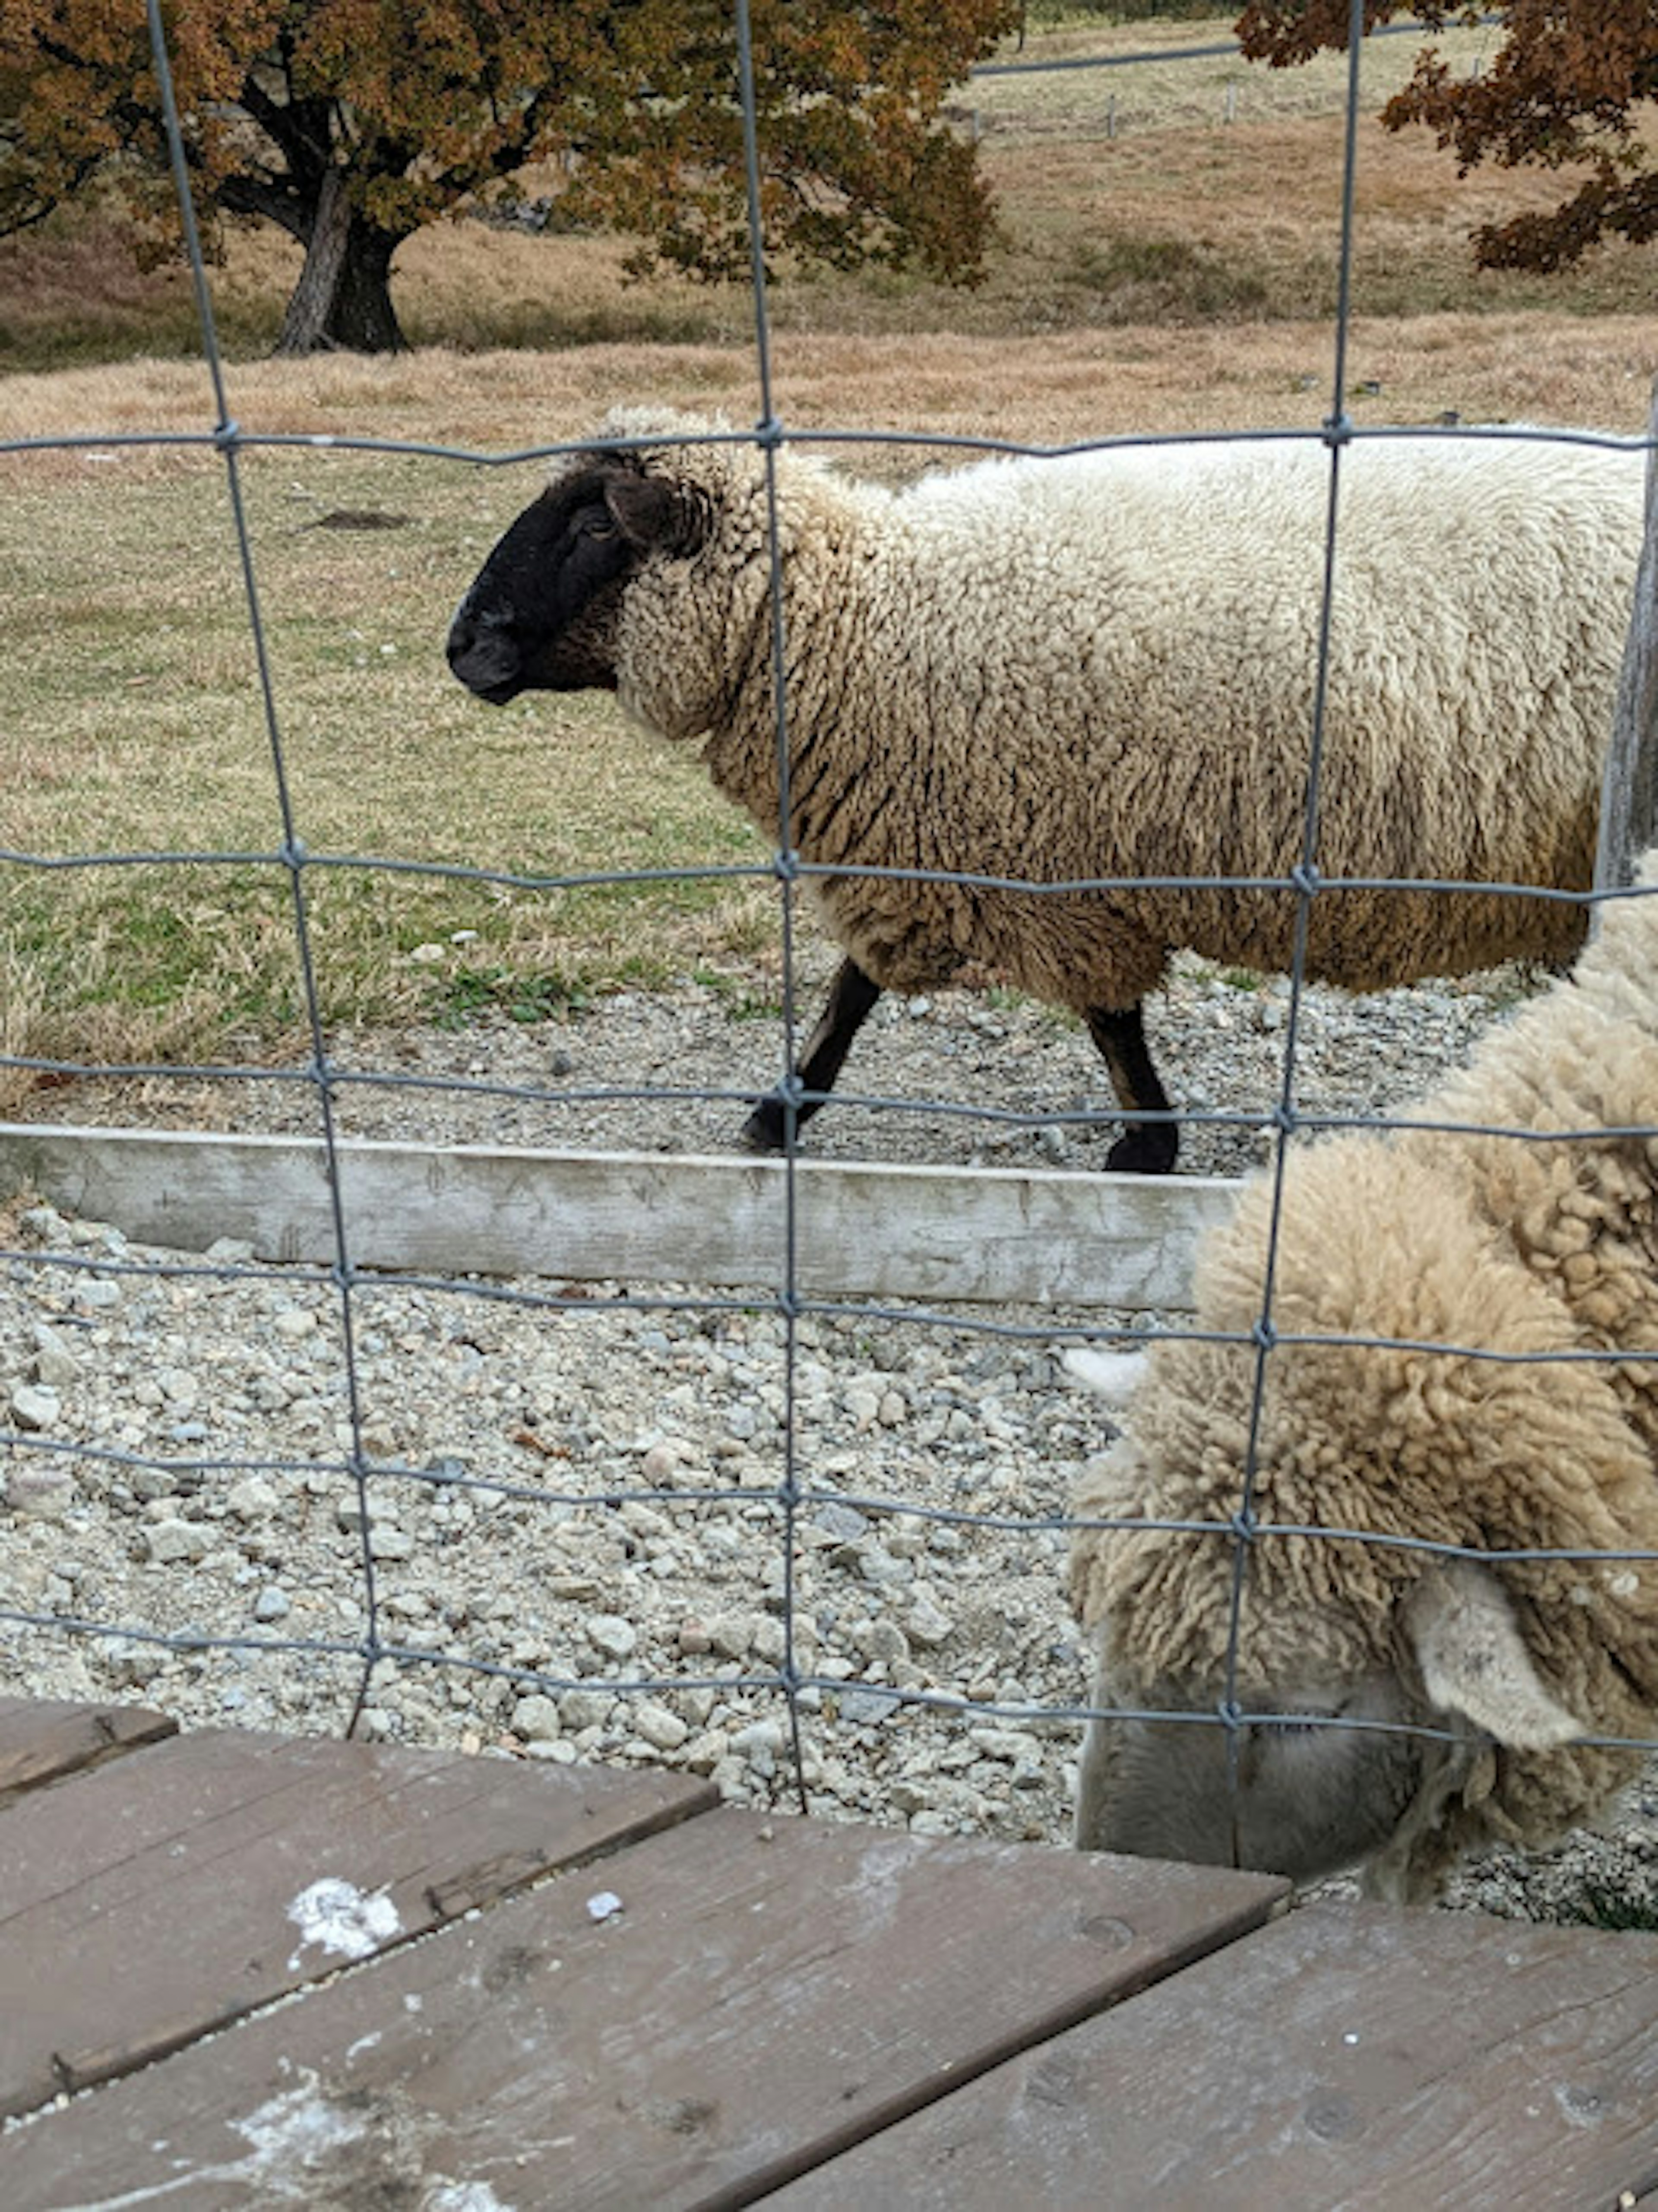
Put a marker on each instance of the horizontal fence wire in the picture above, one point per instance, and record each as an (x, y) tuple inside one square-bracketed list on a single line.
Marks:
[(344, 1456)]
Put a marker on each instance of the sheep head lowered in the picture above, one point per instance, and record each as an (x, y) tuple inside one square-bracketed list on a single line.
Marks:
[(1343, 1652), (1474, 1682), (541, 613)]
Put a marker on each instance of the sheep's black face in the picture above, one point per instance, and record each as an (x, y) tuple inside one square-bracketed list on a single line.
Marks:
[(540, 614)]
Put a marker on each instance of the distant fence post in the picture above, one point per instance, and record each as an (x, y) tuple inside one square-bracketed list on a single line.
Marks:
[(1629, 790)]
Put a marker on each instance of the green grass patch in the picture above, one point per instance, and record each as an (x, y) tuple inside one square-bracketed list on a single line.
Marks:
[(140, 727)]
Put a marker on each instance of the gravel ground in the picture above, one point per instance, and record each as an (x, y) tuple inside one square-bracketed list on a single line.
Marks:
[(1218, 1035), (581, 1501)]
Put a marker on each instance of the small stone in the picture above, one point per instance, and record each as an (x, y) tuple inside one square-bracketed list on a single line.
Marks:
[(54, 1364), (271, 1604), (537, 1719), (252, 1499), (610, 1634), (756, 1737), (662, 1729), (349, 1513), (844, 1522), (585, 1709), (34, 1406), (868, 1705), (703, 1755), (769, 1641), (877, 1564), (864, 1407), (229, 1252), (171, 1543), (563, 1752), (731, 1636), (909, 1797), (664, 1460), (43, 1493), (927, 1625), (883, 1640), (132, 1662), (293, 1322)]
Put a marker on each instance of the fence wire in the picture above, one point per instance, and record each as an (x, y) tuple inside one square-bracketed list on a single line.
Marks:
[(344, 1453)]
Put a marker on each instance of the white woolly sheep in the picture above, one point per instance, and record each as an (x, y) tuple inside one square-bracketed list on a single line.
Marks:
[(1104, 666), (1461, 1237)]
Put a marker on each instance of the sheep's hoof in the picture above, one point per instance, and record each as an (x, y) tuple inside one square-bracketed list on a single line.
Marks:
[(1147, 1150), (764, 1130)]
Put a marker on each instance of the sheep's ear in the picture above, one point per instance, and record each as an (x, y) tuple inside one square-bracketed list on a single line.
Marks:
[(1113, 1375), (654, 516), (1474, 1661)]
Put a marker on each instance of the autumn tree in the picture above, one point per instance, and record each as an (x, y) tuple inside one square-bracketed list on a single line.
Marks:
[(1565, 90), (353, 124)]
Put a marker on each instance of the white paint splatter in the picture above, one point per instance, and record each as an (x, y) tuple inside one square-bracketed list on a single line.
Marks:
[(298, 2125), (341, 1918), (604, 1905), (465, 2197), (284, 2135)]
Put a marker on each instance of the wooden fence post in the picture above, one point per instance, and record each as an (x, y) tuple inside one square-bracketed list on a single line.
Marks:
[(1629, 790)]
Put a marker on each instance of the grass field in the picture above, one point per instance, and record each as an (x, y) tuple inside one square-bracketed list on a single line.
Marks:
[(1160, 269)]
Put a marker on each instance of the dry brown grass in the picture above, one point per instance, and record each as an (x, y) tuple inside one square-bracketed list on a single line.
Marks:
[(1592, 371)]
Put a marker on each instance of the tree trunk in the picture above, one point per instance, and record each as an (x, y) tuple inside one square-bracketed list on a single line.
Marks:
[(344, 297)]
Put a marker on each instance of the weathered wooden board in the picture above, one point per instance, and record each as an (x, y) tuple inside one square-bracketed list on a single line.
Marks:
[(995, 1234), (151, 1900), (42, 1740), (764, 1993), (1355, 2060)]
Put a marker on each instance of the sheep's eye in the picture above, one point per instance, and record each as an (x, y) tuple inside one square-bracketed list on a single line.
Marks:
[(598, 525)]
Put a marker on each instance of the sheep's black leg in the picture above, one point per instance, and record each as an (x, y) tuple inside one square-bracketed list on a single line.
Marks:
[(852, 996), (1146, 1147)]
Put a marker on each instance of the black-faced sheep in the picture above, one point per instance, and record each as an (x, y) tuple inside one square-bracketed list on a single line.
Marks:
[(1427, 1237), (1104, 665)]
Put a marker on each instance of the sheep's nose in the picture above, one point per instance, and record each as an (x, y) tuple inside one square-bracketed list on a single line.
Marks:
[(483, 657)]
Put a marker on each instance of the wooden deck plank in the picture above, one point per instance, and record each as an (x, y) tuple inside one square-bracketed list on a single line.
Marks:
[(148, 1901), (768, 1991), (1358, 2060), (43, 1740)]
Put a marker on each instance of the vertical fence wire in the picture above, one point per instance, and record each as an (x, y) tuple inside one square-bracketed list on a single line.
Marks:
[(226, 436)]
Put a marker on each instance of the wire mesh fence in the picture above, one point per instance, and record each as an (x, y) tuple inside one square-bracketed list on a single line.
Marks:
[(817, 1545)]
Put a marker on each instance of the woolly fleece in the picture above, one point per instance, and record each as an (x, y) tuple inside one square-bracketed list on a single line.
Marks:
[(1436, 1236), (1104, 665)]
